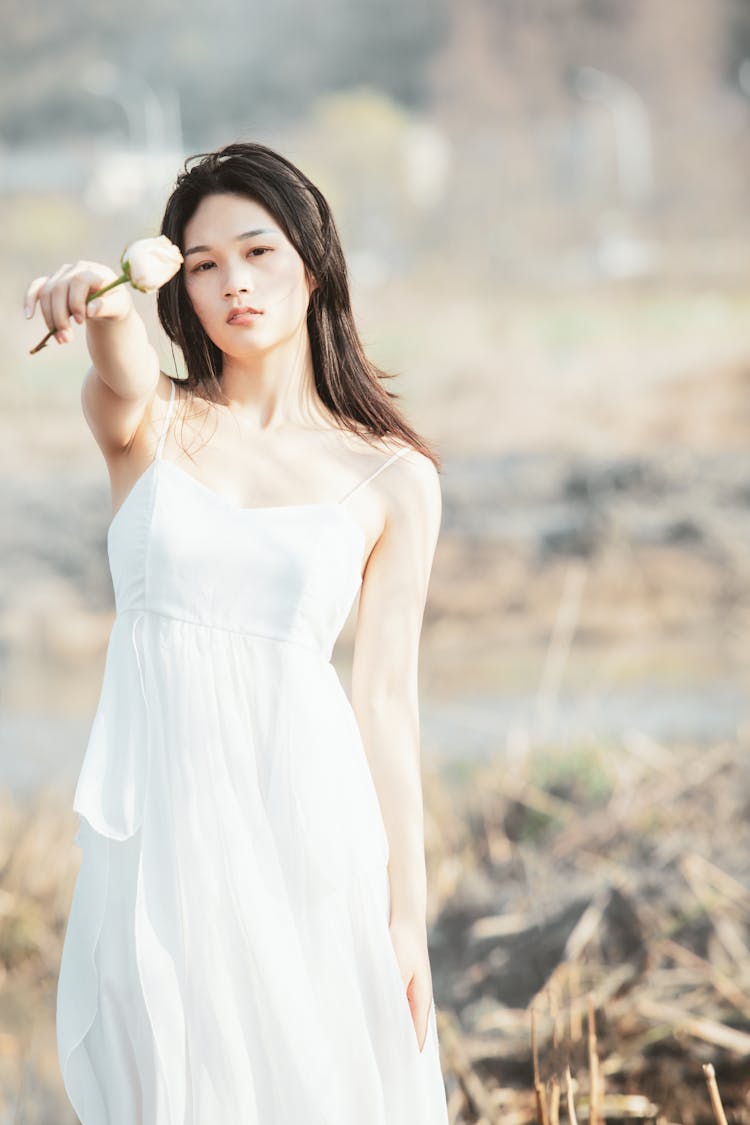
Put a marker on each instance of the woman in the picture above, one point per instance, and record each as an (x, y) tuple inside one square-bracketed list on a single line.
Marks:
[(247, 938)]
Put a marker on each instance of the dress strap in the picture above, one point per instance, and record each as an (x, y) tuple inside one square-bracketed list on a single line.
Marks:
[(380, 469), (165, 425)]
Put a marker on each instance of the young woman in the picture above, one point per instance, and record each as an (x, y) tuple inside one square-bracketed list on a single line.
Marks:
[(247, 937)]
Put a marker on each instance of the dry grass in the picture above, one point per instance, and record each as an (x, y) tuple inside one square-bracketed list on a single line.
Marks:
[(590, 934), (590, 931)]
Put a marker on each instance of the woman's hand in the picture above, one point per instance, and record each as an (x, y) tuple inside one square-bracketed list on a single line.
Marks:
[(65, 293), (409, 940)]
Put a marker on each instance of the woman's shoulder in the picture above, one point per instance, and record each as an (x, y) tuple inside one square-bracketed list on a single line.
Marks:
[(405, 454), (370, 452), (412, 476), (375, 447)]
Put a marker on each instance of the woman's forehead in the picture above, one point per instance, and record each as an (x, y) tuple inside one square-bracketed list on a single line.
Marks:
[(226, 217)]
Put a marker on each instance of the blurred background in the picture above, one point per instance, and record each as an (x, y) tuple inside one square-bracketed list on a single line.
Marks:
[(544, 210)]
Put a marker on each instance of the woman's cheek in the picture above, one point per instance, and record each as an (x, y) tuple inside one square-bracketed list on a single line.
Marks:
[(201, 312)]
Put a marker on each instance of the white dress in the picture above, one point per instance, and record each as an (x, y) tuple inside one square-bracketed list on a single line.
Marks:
[(227, 957)]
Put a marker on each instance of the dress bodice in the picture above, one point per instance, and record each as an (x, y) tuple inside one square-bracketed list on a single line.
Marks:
[(290, 573)]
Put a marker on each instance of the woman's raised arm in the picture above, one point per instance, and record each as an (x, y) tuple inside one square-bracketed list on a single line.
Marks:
[(125, 365)]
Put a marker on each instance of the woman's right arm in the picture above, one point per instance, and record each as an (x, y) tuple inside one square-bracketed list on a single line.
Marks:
[(121, 383)]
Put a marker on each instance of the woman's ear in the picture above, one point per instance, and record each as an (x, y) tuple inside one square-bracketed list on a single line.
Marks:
[(312, 284)]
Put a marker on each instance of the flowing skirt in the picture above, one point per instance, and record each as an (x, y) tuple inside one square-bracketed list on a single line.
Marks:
[(227, 955)]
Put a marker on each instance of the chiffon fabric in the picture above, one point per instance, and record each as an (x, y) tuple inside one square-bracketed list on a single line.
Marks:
[(227, 957)]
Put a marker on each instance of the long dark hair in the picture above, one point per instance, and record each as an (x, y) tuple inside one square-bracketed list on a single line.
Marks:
[(348, 383)]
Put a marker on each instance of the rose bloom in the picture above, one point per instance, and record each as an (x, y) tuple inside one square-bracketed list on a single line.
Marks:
[(150, 262)]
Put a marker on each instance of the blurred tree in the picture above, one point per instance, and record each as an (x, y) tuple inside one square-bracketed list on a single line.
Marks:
[(737, 39), (235, 66)]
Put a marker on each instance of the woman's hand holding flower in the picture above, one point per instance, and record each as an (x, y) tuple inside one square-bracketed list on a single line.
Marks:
[(147, 264)]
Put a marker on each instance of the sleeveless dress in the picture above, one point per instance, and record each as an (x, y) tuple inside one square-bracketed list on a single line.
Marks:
[(227, 957)]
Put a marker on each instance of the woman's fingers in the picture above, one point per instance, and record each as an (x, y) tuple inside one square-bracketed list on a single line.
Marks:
[(59, 303), (29, 301), (63, 295), (80, 286), (410, 946), (419, 996), (46, 296)]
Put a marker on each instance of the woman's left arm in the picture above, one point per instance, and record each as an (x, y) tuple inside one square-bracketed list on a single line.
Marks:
[(385, 701)]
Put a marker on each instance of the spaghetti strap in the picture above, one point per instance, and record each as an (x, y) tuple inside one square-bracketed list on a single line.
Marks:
[(362, 483), (165, 425)]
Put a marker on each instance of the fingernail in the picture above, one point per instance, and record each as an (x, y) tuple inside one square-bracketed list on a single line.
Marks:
[(93, 307), (26, 311)]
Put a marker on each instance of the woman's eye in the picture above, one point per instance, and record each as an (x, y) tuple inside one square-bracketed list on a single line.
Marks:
[(255, 250)]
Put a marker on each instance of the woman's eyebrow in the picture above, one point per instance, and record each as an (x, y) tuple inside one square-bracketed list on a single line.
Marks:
[(239, 238)]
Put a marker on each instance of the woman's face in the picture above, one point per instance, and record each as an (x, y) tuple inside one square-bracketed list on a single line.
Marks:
[(237, 255)]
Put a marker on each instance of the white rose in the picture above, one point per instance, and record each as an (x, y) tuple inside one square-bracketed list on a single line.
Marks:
[(150, 262)]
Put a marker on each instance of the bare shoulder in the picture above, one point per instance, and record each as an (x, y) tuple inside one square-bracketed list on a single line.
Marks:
[(411, 464), (377, 449), (409, 487), (415, 485), (128, 457), (154, 415), (117, 422)]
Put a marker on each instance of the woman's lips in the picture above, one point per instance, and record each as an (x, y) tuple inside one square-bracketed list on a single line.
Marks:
[(244, 318)]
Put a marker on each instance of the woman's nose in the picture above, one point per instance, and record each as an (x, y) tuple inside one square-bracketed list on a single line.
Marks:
[(240, 287), (238, 280)]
